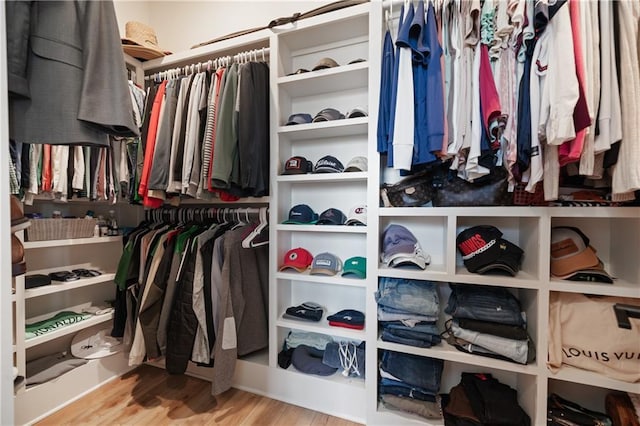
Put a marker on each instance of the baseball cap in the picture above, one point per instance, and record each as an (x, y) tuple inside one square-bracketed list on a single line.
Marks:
[(328, 114), (325, 63), (349, 318), (572, 258), (484, 250), (297, 166), (355, 266), (89, 344), (400, 247), (326, 264), (299, 118), (301, 213), (328, 164), (298, 259), (332, 217), (308, 360), (357, 215), (309, 311), (357, 112), (357, 164)]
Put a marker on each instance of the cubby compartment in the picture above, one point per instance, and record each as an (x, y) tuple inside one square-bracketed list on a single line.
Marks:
[(616, 241), (588, 396), (342, 245), (431, 233), (342, 147), (344, 39), (524, 232), (333, 298), (320, 196), (529, 303), (357, 382)]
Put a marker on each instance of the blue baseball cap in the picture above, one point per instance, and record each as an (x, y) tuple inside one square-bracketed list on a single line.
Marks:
[(301, 214), (401, 247), (299, 118)]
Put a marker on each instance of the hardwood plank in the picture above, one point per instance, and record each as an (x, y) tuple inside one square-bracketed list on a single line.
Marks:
[(149, 395)]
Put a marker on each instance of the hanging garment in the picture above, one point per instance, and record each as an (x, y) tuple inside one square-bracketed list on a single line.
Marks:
[(72, 44)]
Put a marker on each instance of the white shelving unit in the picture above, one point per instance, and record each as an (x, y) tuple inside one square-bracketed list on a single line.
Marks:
[(343, 36), (39, 303)]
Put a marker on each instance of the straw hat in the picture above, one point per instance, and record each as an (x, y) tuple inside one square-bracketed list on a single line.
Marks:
[(140, 41)]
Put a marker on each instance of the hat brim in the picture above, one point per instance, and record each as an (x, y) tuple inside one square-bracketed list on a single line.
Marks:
[(356, 272), (407, 259), (498, 267), (323, 271), (326, 170), (92, 344), (296, 222), (143, 52), (587, 259), (595, 274), (355, 222), (297, 268)]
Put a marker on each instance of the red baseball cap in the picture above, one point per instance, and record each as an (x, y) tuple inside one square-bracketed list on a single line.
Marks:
[(298, 259)]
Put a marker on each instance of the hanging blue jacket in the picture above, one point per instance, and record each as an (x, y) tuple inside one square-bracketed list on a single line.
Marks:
[(386, 94)]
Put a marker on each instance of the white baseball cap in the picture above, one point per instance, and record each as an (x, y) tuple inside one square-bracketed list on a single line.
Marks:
[(357, 164), (357, 215)]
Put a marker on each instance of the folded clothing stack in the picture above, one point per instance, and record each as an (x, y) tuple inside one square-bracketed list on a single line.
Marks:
[(481, 399), (410, 383), (488, 321), (308, 311), (347, 318), (408, 311)]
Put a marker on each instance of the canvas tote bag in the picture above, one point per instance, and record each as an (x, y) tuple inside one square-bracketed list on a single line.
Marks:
[(590, 333)]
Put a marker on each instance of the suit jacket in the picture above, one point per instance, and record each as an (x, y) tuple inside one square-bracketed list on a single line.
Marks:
[(77, 85)]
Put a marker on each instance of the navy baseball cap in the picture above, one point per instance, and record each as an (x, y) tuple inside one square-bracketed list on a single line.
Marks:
[(328, 164), (347, 316), (332, 217), (302, 214)]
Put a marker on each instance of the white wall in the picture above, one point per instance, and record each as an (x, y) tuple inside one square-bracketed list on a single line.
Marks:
[(181, 24)]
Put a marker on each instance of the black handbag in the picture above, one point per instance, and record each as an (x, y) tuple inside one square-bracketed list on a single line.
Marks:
[(412, 191), (563, 412), (490, 190)]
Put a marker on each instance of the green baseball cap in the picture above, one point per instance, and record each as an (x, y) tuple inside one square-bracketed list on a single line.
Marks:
[(355, 266)]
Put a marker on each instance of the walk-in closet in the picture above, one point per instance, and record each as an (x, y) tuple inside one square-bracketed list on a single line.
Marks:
[(421, 212)]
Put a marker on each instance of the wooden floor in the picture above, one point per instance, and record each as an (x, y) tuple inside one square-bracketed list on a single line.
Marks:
[(150, 396)]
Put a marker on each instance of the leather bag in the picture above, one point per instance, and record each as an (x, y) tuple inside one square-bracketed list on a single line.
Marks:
[(412, 191), (490, 190), (563, 412)]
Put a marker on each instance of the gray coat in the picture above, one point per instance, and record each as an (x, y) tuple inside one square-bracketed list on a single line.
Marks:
[(75, 73)]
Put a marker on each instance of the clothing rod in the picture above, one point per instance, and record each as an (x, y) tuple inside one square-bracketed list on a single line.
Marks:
[(172, 214), (240, 57)]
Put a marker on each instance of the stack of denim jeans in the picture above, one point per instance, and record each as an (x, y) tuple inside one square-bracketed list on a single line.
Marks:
[(410, 383), (408, 311), (488, 321)]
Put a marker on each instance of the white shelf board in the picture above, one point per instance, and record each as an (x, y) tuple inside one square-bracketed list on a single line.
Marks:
[(323, 82), (618, 288), (66, 330), (324, 177), (57, 286), (514, 211), (321, 279), (70, 242), (324, 129), (521, 280), (385, 416), (571, 374), (342, 229), (337, 378), (592, 212), (323, 327), (447, 352), (432, 272)]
